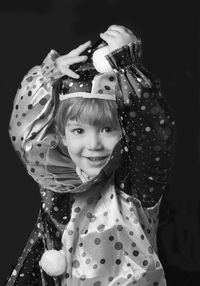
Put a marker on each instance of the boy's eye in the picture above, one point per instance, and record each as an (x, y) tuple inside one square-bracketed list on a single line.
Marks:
[(107, 129), (77, 131)]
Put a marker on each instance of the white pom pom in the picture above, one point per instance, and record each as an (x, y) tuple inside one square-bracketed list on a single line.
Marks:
[(53, 262), (99, 60)]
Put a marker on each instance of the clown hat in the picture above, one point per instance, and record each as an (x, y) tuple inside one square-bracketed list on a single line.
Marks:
[(97, 79)]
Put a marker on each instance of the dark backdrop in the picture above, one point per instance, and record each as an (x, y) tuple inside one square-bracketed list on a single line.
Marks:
[(169, 32)]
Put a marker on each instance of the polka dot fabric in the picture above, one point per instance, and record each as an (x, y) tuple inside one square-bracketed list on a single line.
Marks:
[(109, 240), (106, 226), (148, 129)]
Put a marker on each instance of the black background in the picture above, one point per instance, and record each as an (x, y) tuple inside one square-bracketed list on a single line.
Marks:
[(169, 32)]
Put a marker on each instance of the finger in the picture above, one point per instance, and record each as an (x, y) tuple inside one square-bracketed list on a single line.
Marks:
[(112, 33), (106, 36), (66, 61), (79, 49), (101, 45), (116, 28), (70, 73), (119, 28), (74, 60)]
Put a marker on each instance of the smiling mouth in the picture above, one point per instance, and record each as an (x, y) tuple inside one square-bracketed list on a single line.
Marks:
[(97, 159)]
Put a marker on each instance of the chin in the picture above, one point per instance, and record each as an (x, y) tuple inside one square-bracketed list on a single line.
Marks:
[(93, 173)]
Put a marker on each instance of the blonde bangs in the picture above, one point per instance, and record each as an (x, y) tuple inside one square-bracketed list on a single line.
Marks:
[(92, 111)]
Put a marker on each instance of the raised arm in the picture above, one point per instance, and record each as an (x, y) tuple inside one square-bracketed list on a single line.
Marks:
[(31, 125), (147, 126)]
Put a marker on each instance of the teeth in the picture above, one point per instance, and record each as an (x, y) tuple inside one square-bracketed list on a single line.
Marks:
[(97, 158)]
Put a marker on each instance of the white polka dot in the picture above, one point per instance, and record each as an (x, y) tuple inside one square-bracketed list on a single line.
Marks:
[(14, 272), (71, 83), (126, 148), (21, 275), (31, 241), (28, 147), (147, 128)]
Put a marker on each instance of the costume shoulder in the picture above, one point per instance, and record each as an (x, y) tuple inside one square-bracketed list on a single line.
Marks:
[(32, 128)]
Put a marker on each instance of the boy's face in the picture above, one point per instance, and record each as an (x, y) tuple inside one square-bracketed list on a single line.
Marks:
[(90, 146)]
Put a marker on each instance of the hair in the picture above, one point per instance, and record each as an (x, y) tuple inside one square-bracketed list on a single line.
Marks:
[(92, 111)]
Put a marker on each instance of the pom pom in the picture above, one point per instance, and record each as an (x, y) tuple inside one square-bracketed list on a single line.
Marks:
[(53, 262), (99, 60)]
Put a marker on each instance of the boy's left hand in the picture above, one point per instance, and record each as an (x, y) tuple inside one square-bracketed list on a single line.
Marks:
[(117, 36)]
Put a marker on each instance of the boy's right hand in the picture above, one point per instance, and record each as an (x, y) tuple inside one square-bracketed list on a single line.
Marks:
[(63, 63)]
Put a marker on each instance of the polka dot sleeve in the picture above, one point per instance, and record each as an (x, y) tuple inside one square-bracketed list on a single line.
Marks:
[(147, 125), (31, 125)]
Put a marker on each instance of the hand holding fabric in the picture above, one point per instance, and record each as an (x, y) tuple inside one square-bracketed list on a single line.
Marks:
[(118, 36)]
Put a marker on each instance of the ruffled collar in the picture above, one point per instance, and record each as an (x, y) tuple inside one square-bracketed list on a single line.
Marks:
[(83, 176)]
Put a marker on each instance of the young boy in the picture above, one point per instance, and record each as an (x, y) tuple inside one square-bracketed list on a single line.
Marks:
[(99, 144)]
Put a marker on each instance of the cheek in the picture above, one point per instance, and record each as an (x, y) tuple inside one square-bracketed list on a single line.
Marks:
[(111, 142), (73, 145)]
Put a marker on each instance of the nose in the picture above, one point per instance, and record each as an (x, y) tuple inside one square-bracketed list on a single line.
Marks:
[(94, 142)]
